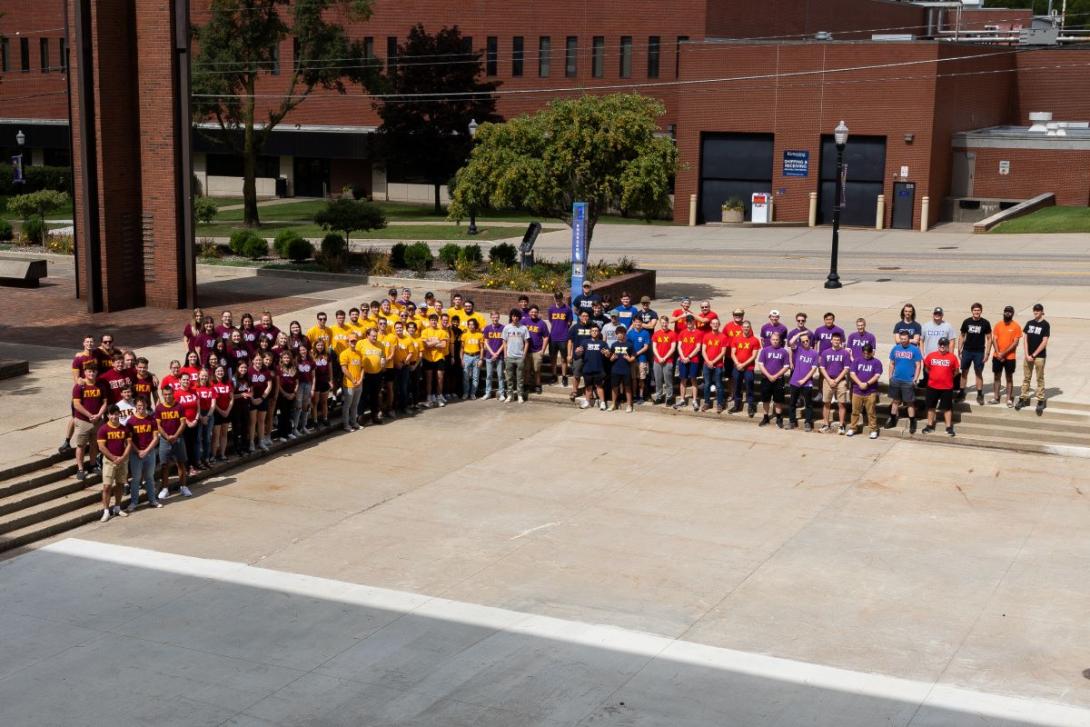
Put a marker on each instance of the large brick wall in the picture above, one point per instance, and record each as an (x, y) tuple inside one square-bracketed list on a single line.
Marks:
[(798, 19), (34, 94), (1033, 172), (1056, 80)]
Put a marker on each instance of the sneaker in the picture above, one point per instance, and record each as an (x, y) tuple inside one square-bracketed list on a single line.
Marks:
[(602, 406), (764, 421), (120, 513), (115, 509), (912, 426), (537, 390), (186, 491), (628, 409), (265, 447), (156, 504), (824, 428), (950, 432), (522, 399), (473, 397), (81, 475), (873, 435), (564, 381), (928, 429), (680, 404), (656, 400), (891, 422), (105, 515), (442, 401), (752, 412), (612, 407), (1010, 403), (994, 401), (293, 435), (808, 427), (1021, 403), (65, 448), (696, 407), (718, 409), (164, 494), (356, 427), (131, 507), (980, 398), (1040, 408), (347, 428), (507, 399), (704, 406), (851, 433), (792, 425), (841, 429), (779, 422), (584, 404)]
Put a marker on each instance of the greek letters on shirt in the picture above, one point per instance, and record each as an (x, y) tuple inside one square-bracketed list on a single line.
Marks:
[(944, 363)]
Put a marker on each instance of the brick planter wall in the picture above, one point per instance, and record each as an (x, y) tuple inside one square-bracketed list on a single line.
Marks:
[(639, 283)]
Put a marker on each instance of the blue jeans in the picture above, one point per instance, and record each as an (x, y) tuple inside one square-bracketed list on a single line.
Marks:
[(142, 471), (713, 376), (302, 405), (741, 379), (494, 366), (204, 437), (471, 373), (351, 402)]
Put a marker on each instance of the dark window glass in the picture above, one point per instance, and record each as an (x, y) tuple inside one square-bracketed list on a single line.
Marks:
[(598, 56), (369, 51), (391, 53), (492, 55), (677, 55), (24, 55), (517, 52), (63, 54), (544, 56), (275, 70), (4, 45), (571, 56), (295, 53), (653, 57), (57, 157), (230, 165), (43, 53), (626, 56)]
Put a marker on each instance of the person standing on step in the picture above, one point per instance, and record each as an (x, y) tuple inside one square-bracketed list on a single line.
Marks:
[(714, 347), (493, 358), (865, 372), (516, 339), (932, 331), (171, 424), (905, 362), (974, 345), (835, 384), (743, 357), (663, 352), (1005, 337), (803, 372), (774, 367), (773, 326), (858, 338), (560, 320), (942, 371), (1037, 332), (115, 443)]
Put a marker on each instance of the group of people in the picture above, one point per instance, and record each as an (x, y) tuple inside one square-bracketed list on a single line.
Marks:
[(241, 387)]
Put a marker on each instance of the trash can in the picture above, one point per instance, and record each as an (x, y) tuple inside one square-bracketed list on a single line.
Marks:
[(281, 186)]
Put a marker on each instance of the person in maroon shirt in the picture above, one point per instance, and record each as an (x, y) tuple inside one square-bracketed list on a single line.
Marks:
[(145, 386), (88, 409), (323, 377), (192, 330), (261, 385), (88, 355), (304, 364), (170, 422), (115, 379), (206, 339), (186, 396), (249, 333), (129, 365), (287, 379), (242, 426), (145, 440), (115, 443), (296, 338), (266, 329), (221, 412), (106, 351), (237, 351), (226, 327)]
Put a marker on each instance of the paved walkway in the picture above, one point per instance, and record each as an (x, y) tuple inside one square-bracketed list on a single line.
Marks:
[(269, 203)]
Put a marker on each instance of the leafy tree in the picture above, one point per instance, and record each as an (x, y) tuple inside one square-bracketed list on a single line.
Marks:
[(38, 203), (429, 136), (205, 210), (347, 215), (602, 150), (240, 43)]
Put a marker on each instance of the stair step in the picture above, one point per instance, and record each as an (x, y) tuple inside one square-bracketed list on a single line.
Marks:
[(43, 476), (48, 528), (28, 498), (48, 509)]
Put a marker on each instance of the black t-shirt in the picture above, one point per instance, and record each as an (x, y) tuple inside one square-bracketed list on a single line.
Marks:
[(913, 329), (1036, 331), (584, 303), (647, 316), (601, 319), (619, 350), (593, 362), (975, 332), (578, 335)]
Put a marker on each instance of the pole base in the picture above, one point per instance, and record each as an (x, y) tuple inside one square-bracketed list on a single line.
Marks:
[(833, 281)]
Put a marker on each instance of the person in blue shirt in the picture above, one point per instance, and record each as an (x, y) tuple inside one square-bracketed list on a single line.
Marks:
[(904, 371), (626, 311), (639, 340), (621, 359), (585, 300)]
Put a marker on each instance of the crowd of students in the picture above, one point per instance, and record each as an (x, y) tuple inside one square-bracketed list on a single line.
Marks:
[(240, 388)]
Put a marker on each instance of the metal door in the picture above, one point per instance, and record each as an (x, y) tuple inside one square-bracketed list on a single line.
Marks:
[(733, 166), (963, 174), (904, 202), (865, 157)]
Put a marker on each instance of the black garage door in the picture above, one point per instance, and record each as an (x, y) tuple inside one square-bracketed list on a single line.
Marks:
[(866, 160), (733, 165)]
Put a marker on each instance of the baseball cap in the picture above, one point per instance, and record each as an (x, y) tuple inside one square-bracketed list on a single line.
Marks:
[(690, 317), (938, 310), (586, 283), (645, 299), (738, 312), (944, 341), (614, 313), (869, 348), (1009, 309), (774, 312)]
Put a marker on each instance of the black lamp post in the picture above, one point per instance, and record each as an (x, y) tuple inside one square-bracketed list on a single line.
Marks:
[(472, 229), (840, 136)]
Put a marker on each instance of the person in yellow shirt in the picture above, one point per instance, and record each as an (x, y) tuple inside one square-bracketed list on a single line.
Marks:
[(405, 300), (416, 375), (388, 339), (391, 298), (320, 331), (373, 354), (457, 308), (402, 357), (472, 314), (351, 364), (436, 344), (356, 323), (338, 341), (386, 312), (472, 343)]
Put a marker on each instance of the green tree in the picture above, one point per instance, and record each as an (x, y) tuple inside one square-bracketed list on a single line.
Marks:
[(347, 215), (240, 43), (39, 203), (602, 150), (428, 136)]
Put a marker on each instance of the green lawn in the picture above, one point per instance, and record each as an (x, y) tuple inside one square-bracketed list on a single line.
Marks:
[(398, 232), (61, 213), (1049, 219)]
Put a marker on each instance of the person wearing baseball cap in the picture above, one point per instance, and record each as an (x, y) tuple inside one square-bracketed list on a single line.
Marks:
[(1037, 332), (864, 372), (943, 369), (1005, 337), (585, 301), (773, 326), (649, 317), (930, 333)]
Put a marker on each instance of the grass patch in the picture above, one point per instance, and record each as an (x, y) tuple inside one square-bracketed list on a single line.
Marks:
[(290, 211), (399, 232), (1049, 219)]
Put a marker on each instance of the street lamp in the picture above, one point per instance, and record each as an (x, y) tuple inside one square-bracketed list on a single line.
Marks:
[(20, 137), (840, 136), (472, 229)]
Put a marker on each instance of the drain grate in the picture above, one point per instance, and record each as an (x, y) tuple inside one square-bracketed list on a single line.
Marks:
[(883, 280), (949, 247), (889, 267)]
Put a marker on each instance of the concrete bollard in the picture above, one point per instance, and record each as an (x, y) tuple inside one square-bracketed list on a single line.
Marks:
[(880, 214), (925, 209), (813, 209), (692, 210)]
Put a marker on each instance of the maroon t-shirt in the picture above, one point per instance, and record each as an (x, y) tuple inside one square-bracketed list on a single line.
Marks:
[(306, 371), (203, 345), (249, 338), (113, 381), (269, 332), (169, 418), (224, 332), (260, 381), (115, 439), (143, 387), (289, 382), (90, 396), (321, 369), (143, 431), (83, 358)]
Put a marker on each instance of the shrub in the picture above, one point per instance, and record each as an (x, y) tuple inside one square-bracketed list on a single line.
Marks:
[(418, 257), (61, 244), (34, 230), (6, 233), (449, 253), (505, 253), (237, 240), (207, 249), (471, 254), (397, 256), (333, 252), (380, 265), (254, 247), (204, 210), (38, 203), (299, 249), (465, 270), (58, 178), (283, 240)]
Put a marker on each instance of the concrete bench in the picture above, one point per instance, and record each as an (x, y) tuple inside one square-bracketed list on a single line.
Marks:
[(23, 273)]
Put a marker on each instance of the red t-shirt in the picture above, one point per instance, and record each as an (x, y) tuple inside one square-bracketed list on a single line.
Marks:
[(206, 396), (732, 330), (713, 344), (113, 381), (744, 348), (223, 392), (192, 371), (90, 396), (688, 342), (679, 319), (170, 381), (115, 439), (143, 431), (707, 326), (662, 341), (941, 369), (189, 402), (83, 358), (169, 418)]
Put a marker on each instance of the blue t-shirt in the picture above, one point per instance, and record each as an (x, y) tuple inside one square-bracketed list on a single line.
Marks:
[(620, 364), (904, 360), (625, 314), (593, 361), (639, 339), (912, 328)]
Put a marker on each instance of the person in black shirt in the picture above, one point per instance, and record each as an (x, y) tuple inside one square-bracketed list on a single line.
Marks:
[(909, 325), (594, 368), (577, 336), (974, 344), (598, 315), (1035, 339), (585, 300)]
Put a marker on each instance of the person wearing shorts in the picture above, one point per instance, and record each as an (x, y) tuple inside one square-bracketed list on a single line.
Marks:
[(88, 411), (115, 443), (774, 368), (560, 320), (620, 353), (639, 341), (437, 342), (593, 367), (170, 422), (835, 386), (974, 345), (942, 371), (578, 334), (1005, 337), (906, 362), (689, 363)]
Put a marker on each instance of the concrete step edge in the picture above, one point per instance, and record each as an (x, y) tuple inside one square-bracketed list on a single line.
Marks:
[(28, 498), (48, 528), (47, 510), (27, 467), (23, 483)]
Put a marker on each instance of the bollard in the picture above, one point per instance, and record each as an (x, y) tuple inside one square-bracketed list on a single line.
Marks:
[(813, 209), (925, 208), (880, 215), (692, 210)]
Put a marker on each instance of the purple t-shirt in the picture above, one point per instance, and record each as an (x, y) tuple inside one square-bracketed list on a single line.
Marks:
[(865, 369), (773, 359), (560, 321), (795, 332), (768, 329), (493, 340), (857, 340), (825, 336), (835, 360), (539, 332), (806, 360)]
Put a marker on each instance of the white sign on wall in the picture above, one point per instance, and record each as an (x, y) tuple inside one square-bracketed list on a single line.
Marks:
[(904, 172), (1004, 167)]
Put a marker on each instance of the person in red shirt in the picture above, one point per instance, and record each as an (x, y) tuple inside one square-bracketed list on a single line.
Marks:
[(186, 396), (115, 443), (680, 315), (206, 400), (688, 360), (221, 412), (733, 328), (170, 423), (145, 440), (664, 353), (715, 346), (942, 370), (115, 379), (144, 385), (705, 317), (88, 355), (743, 355), (88, 410), (170, 381)]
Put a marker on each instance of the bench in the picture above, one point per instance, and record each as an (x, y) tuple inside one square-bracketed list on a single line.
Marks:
[(22, 273)]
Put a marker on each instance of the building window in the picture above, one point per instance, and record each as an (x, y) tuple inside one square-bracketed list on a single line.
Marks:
[(43, 52), (57, 157), (492, 55), (230, 165), (391, 53), (653, 57), (275, 70), (4, 55), (571, 56), (24, 55), (677, 55), (369, 51), (62, 54), (626, 56), (517, 52), (544, 56), (295, 53), (598, 56)]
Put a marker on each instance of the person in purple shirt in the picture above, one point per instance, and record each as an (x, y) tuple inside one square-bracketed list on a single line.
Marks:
[(540, 335), (824, 334), (803, 373), (859, 338), (773, 366), (560, 320), (865, 372), (834, 363), (493, 356), (773, 326), (799, 329)]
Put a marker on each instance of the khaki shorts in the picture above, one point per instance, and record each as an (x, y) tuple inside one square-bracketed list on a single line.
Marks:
[(838, 393), (83, 434), (115, 474), (641, 370)]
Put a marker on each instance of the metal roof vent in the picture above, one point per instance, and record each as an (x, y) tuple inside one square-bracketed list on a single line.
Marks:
[(823, 35), (1039, 119)]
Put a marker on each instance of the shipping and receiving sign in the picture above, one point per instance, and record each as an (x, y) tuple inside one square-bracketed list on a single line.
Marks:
[(796, 163)]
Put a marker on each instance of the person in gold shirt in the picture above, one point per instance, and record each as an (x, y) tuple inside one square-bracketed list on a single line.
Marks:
[(388, 339), (404, 349), (320, 331), (457, 308), (436, 344), (351, 363), (472, 343), (416, 375), (386, 312), (473, 314), (373, 354), (356, 323), (338, 341)]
